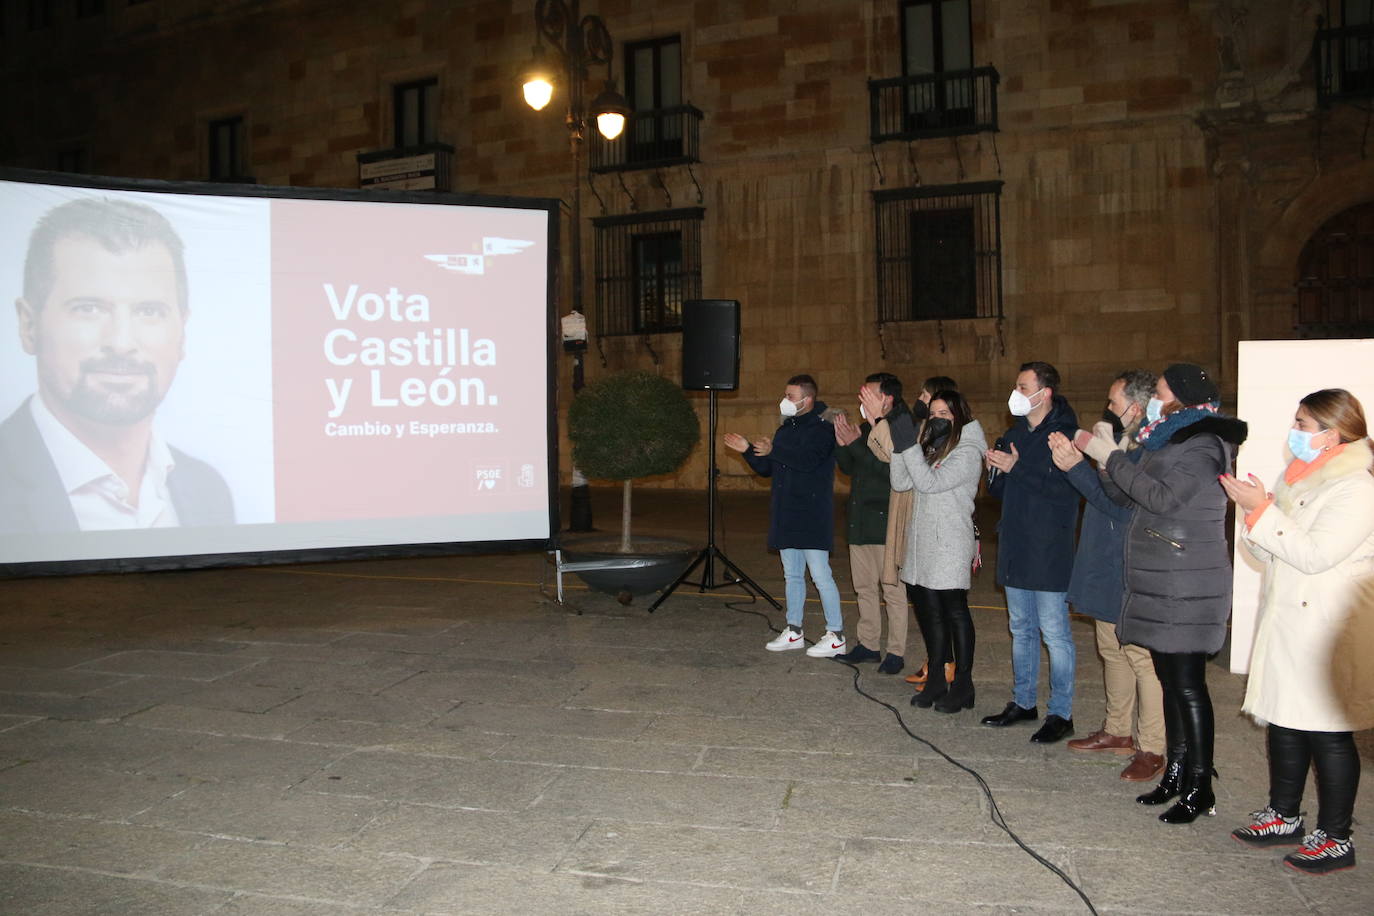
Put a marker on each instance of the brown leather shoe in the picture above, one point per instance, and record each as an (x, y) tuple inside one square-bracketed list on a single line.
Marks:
[(1100, 740), (920, 677), (1143, 767)]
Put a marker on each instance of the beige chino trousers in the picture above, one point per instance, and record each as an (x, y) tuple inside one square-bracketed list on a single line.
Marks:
[(1135, 701), (866, 569)]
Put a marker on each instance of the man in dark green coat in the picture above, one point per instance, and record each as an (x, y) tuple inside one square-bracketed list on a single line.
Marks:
[(867, 511)]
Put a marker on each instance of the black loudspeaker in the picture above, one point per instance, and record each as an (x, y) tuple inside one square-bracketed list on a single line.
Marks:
[(710, 344)]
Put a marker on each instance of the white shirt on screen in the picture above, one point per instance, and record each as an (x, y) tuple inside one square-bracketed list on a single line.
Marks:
[(99, 496)]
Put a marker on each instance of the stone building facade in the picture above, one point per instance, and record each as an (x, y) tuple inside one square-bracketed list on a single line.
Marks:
[(1153, 177)]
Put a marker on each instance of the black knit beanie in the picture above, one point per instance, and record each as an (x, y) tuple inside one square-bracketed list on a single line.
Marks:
[(1190, 384)]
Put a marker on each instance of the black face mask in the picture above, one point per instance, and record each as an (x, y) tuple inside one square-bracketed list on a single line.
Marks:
[(935, 433), (920, 409), (1118, 428)]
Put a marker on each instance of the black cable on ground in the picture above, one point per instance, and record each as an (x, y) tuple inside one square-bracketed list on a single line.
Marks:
[(994, 811)]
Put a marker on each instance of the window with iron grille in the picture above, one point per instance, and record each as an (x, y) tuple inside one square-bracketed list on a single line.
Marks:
[(653, 86), (939, 252), (225, 141), (647, 264), (1357, 47), (1345, 53), (416, 110)]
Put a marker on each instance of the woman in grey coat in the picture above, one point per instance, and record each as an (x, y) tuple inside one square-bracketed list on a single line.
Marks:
[(943, 466), (1178, 567)]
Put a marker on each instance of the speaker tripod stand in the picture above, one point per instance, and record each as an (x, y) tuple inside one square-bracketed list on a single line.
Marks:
[(711, 554)]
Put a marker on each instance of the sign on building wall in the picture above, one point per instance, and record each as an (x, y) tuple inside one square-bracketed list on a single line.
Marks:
[(415, 169)]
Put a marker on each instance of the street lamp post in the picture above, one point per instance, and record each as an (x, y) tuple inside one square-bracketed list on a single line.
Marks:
[(580, 42)]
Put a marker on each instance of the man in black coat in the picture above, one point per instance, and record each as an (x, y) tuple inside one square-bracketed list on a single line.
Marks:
[(800, 460), (1035, 549)]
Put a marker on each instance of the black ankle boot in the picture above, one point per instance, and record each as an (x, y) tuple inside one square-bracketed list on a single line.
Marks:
[(936, 688), (1169, 786), (958, 696), (1196, 798)]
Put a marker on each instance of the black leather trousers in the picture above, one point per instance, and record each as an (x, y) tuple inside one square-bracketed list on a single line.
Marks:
[(1291, 752), (946, 626), (1189, 726)]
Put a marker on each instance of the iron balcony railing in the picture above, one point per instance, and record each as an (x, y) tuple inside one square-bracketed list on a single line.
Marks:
[(933, 104), (663, 136), (1345, 63)]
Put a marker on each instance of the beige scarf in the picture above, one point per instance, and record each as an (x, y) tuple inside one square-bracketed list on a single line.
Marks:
[(899, 507)]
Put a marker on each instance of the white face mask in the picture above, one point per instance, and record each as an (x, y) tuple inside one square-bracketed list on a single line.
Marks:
[(1300, 444), (1020, 404), (1154, 409), (788, 408)]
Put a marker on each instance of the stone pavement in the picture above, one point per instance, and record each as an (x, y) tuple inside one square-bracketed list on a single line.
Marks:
[(435, 736)]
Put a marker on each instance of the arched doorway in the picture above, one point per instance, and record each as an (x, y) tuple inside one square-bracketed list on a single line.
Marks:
[(1336, 277)]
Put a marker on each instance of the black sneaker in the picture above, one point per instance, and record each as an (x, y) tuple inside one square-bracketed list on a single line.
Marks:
[(1320, 854), (860, 653), (892, 664)]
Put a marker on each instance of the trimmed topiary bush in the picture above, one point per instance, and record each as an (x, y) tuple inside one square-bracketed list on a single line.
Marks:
[(629, 425)]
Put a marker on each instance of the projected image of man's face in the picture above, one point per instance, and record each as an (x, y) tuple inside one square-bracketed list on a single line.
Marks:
[(111, 333), (176, 367)]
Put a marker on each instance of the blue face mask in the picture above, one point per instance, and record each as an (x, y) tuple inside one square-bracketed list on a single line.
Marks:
[(1153, 409), (1300, 444)]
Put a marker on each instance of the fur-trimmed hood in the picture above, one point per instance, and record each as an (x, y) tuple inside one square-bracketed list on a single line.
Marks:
[(1356, 458), (1228, 429)]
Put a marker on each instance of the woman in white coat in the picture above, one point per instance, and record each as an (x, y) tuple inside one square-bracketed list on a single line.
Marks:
[(943, 466), (1310, 679)]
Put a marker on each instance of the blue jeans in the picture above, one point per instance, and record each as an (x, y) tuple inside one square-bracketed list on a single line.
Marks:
[(1032, 615), (795, 563)]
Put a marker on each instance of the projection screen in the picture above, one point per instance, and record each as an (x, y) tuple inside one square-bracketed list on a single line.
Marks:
[(197, 374)]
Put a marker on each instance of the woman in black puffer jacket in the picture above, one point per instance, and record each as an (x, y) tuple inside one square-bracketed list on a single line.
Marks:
[(1178, 567)]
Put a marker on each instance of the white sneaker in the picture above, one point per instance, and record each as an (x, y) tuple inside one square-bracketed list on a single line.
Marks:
[(787, 639), (828, 647)]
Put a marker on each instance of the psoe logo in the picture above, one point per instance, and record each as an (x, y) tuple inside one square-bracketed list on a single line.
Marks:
[(489, 478), (476, 264)]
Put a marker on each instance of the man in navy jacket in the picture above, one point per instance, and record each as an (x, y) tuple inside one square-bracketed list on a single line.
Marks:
[(800, 460), (1035, 549)]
